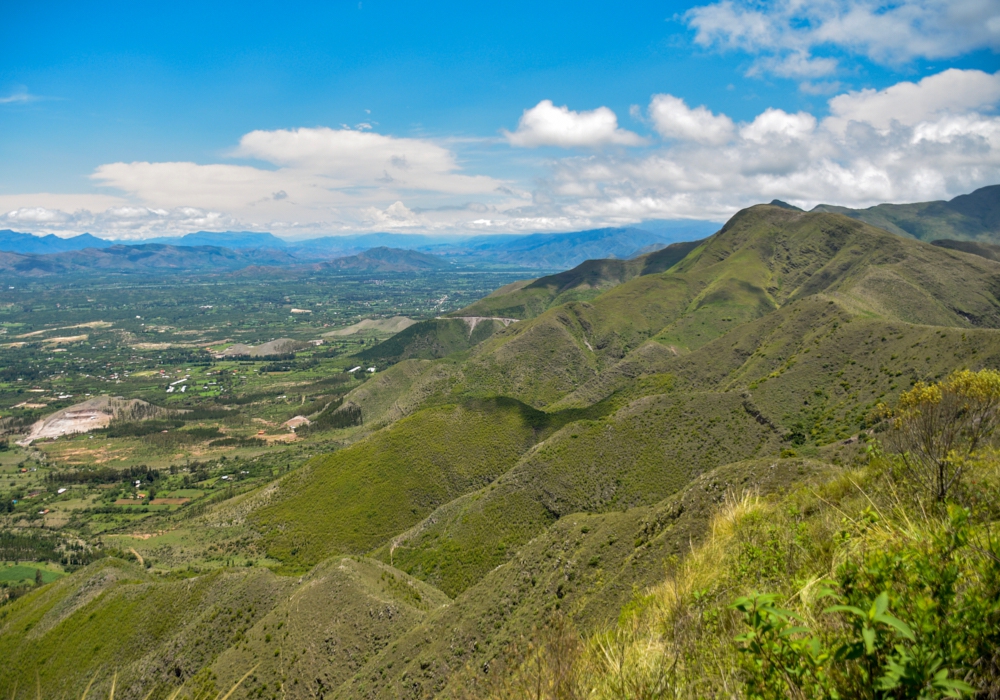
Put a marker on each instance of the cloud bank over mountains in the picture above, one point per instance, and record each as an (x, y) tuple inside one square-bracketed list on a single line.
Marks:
[(913, 141)]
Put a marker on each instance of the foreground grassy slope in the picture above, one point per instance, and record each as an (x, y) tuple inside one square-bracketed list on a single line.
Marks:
[(302, 635), (359, 497), (586, 566), (748, 612)]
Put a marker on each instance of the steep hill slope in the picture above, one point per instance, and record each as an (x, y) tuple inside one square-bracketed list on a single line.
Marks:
[(585, 566), (990, 251), (156, 635), (114, 615), (359, 497), (968, 217), (428, 340), (343, 613), (642, 453)]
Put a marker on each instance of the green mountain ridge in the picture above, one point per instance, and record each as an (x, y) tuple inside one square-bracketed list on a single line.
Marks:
[(968, 217)]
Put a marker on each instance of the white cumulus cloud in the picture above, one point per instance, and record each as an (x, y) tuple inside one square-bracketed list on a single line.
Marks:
[(950, 92), (778, 124), (548, 125), (930, 140), (673, 119)]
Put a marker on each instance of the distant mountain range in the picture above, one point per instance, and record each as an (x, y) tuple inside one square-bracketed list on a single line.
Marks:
[(23, 253), (973, 217), (14, 242), (148, 257)]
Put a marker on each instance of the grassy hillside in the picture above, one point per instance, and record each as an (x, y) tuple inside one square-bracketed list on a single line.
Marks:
[(584, 566), (865, 581), (208, 631), (113, 616), (400, 390), (359, 497), (641, 454), (341, 615)]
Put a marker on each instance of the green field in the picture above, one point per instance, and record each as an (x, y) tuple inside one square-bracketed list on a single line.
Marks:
[(16, 574)]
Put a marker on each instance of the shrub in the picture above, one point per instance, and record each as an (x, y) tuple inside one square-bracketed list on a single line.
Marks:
[(915, 619), (939, 429)]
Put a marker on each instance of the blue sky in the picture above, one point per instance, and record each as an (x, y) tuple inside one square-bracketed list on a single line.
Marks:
[(132, 121)]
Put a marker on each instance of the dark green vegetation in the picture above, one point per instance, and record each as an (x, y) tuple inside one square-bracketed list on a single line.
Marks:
[(575, 498), (432, 339), (968, 217)]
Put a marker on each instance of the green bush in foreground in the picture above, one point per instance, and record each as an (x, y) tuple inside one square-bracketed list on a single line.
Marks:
[(913, 620)]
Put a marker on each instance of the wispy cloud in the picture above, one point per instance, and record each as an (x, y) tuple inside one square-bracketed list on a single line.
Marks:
[(20, 96), (801, 38)]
